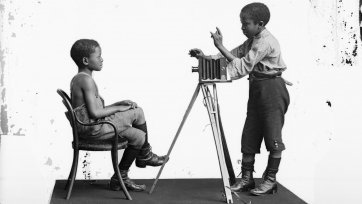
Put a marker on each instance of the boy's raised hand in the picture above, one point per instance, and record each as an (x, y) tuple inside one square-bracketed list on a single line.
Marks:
[(217, 36)]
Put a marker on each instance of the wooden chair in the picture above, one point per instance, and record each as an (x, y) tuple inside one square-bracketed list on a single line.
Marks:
[(112, 145)]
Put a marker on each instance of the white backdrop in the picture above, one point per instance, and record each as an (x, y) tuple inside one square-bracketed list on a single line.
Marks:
[(145, 46)]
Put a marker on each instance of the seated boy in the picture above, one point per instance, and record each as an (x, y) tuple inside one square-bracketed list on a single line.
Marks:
[(260, 57), (126, 115)]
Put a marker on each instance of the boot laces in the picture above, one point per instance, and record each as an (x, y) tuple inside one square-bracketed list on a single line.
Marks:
[(244, 178), (240, 173)]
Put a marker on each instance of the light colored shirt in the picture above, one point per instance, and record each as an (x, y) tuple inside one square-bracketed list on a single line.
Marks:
[(258, 54)]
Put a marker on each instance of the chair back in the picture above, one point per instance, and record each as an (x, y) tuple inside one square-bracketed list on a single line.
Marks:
[(70, 115)]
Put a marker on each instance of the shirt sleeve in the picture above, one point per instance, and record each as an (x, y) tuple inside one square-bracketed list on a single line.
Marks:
[(241, 67)]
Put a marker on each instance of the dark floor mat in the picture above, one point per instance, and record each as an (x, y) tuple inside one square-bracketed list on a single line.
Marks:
[(167, 191)]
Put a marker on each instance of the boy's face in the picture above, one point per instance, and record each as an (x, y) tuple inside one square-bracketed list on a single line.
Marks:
[(249, 27), (95, 60)]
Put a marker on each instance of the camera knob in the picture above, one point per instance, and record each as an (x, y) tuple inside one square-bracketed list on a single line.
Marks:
[(195, 69)]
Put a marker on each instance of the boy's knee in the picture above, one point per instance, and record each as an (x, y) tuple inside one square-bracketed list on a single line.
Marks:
[(275, 146), (140, 116), (135, 137), (138, 109), (139, 141)]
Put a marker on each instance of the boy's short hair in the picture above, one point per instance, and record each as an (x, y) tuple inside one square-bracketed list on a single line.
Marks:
[(257, 12), (82, 48)]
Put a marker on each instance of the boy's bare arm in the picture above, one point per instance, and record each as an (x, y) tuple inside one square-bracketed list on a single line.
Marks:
[(89, 94)]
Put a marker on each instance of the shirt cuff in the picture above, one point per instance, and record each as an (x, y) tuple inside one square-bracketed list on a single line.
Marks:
[(215, 57), (235, 69)]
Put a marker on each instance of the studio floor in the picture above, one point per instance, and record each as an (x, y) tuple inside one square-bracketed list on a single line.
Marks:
[(170, 191)]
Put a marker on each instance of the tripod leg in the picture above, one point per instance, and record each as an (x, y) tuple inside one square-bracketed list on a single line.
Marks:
[(224, 144), (227, 155), (214, 120), (193, 99)]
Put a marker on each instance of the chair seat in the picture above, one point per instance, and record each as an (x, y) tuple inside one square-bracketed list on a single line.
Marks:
[(101, 145)]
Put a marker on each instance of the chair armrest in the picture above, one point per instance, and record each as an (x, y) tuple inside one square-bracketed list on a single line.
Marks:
[(101, 122)]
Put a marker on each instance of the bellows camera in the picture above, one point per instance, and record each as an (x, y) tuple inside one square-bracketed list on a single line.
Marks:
[(211, 70)]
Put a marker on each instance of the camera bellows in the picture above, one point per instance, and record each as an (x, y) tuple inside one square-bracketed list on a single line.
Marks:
[(211, 70)]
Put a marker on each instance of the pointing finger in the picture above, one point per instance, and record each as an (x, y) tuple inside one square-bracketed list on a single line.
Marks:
[(218, 31)]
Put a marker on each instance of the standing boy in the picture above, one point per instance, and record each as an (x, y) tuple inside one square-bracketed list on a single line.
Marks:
[(260, 57), (126, 115)]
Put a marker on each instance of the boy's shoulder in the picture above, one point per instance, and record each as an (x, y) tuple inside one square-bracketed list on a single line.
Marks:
[(268, 36), (267, 39), (81, 79)]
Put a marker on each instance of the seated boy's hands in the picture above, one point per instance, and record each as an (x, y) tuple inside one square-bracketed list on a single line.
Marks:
[(133, 105), (217, 36), (196, 53), (130, 103), (122, 108)]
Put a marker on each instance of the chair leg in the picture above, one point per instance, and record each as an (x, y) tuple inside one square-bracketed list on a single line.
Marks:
[(70, 175), (118, 173), (75, 159), (73, 173)]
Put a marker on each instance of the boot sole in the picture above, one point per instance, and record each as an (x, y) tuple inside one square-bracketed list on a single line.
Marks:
[(115, 187), (120, 189), (243, 189), (272, 191), (143, 164)]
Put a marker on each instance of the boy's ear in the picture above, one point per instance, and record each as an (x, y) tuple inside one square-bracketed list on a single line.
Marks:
[(85, 60), (261, 23)]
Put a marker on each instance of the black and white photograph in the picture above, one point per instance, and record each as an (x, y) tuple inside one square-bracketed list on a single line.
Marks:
[(175, 102)]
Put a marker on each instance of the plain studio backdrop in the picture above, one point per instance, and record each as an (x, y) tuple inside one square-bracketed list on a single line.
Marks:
[(145, 48)]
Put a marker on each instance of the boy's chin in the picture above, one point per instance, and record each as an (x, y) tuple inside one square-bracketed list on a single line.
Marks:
[(247, 36)]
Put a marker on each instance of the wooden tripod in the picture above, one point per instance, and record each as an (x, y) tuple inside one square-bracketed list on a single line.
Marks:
[(212, 105)]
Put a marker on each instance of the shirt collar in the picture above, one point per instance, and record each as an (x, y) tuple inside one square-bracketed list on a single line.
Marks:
[(263, 33)]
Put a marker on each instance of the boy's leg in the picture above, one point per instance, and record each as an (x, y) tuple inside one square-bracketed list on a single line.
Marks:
[(275, 146), (247, 181), (250, 145), (143, 127), (135, 139), (269, 184), (146, 157), (276, 102)]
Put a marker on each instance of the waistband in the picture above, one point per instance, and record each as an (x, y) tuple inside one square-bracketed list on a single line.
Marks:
[(261, 76)]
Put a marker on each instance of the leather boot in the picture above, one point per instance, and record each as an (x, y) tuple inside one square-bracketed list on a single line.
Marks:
[(269, 184), (130, 185), (247, 181), (147, 158)]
